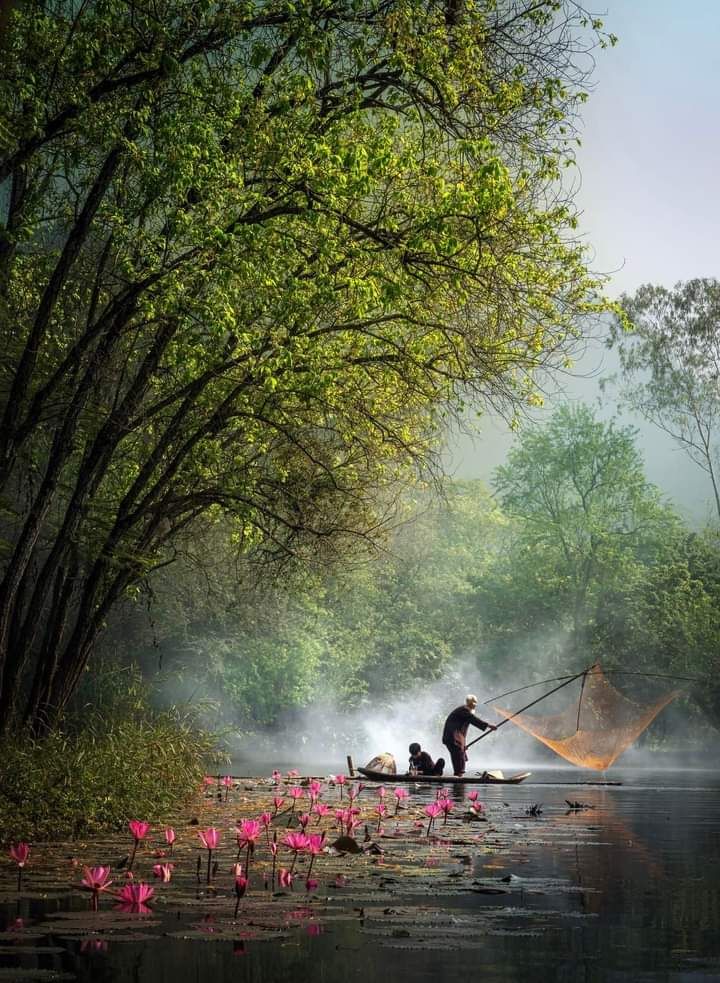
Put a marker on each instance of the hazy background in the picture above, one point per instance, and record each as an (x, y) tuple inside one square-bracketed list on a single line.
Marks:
[(649, 202)]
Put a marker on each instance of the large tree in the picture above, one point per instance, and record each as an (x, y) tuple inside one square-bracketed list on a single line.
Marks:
[(670, 362), (253, 253), (587, 521)]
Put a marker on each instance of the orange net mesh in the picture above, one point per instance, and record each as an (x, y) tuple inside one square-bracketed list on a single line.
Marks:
[(605, 725)]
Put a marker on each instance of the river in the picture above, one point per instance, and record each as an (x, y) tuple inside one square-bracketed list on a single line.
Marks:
[(625, 886)]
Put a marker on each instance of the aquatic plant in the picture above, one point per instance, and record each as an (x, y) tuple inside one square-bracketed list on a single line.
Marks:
[(277, 802), (266, 819), (304, 819), (209, 838), (321, 809), (295, 793), (273, 851), (170, 837), (400, 795), (285, 878), (95, 880), (447, 807), (139, 831), (134, 898), (241, 886), (298, 843), (19, 853), (227, 783), (432, 810), (163, 872), (248, 832), (340, 782), (136, 893), (315, 844), (382, 811)]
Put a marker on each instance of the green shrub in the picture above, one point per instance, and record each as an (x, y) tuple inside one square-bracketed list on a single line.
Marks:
[(114, 760)]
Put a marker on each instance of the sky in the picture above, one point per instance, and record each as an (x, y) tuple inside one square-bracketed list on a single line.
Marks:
[(649, 203)]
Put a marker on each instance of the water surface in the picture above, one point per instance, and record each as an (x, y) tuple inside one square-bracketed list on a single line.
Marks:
[(625, 887)]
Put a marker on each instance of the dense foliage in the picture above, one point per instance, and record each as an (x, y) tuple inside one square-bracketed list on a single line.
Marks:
[(254, 252), (577, 560), (118, 759)]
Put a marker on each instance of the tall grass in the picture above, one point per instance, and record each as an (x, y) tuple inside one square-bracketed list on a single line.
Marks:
[(115, 758)]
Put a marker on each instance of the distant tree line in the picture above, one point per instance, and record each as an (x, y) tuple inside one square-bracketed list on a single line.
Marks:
[(574, 558)]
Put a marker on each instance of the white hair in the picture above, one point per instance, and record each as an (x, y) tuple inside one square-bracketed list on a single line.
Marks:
[(471, 698)]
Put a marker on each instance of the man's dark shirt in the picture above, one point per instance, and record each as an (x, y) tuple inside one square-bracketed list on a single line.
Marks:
[(423, 763), (456, 726)]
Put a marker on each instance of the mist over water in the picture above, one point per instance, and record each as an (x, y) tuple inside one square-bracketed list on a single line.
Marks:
[(318, 739)]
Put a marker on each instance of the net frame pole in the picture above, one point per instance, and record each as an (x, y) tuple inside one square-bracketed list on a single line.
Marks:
[(522, 709)]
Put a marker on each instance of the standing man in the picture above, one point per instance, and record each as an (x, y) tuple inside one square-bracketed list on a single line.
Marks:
[(455, 732)]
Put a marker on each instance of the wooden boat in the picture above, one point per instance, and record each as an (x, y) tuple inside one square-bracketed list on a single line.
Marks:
[(483, 778)]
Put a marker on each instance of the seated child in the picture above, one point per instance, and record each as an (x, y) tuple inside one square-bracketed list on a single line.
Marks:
[(421, 762)]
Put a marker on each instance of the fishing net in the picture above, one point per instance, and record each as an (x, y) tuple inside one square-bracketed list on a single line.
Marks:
[(594, 730)]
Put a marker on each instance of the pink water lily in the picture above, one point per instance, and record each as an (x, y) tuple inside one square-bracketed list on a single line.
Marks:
[(248, 831), (382, 792), (293, 773), (170, 837), (139, 831), (277, 802), (315, 843), (136, 893), (277, 776), (473, 795), (339, 781), (382, 811), (295, 841), (295, 792), (311, 884), (241, 886), (95, 879), (304, 819), (19, 852), (163, 872), (447, 807), (400, 795), (320, 810), (209, 837), (432, 810), (298, 843), (285, 877)]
